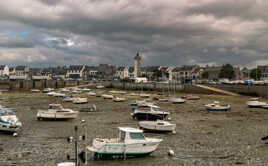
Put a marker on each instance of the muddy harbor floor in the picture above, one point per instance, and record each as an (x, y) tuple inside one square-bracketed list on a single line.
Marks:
[(202, 137)]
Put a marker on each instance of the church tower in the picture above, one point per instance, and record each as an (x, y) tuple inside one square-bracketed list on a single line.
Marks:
[(137, 68)]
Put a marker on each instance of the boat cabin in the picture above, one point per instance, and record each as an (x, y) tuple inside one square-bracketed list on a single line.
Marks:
[(128, 134), (55, 106)]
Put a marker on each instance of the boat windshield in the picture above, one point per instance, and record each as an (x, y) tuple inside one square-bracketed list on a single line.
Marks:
[(136, 136)]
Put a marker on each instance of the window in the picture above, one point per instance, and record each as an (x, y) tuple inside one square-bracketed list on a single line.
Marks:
[(123, 135), (136, 136)]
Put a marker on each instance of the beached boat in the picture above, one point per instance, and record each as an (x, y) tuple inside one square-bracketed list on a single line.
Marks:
[(177, 100), (66, 164), (52, 93), (67, 99), (47, 90), (255, 103), (119, 99), (9, 122), (163, 99), (79, 100), (144, 95), (149, 114), (216, 106), (65, 90), (91, 93), (35, 90), (100, 87), (56, 111), (57, 94), (134, 94), (193, 97), (85, 90), (92, 108), (130, 143), (105, 96), (157, 126)]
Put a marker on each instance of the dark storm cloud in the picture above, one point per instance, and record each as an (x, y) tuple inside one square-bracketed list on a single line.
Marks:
[(167, 32)]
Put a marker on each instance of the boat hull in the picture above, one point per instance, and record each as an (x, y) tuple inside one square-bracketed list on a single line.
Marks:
[(217, 109), (53, 116), (157, 128), (148, 116)]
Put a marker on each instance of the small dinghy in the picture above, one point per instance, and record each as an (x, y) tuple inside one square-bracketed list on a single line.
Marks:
[(35, 90), (92, 108), (255, 103), (65, 90), (119, 99), (193, 97), (47, 90), (144, 95), (130, 143), (177, 100), (91, 93), (157, 126), (105, 96), (216, 106), (79, 100), (67, 99), (100, 87), (66, 164), (85, 90)]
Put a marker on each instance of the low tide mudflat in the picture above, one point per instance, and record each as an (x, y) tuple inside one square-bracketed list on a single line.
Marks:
[(202, 137)]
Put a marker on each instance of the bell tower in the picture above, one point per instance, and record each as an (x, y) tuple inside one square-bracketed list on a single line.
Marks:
[(137, 68)]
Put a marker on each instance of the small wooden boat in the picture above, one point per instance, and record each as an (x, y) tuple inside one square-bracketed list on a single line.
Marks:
[(79, 100), (119, 99), (106, 96), (193, 97), (255, 103), (91, 93), (216, 106), (177, 100), (157, 126)]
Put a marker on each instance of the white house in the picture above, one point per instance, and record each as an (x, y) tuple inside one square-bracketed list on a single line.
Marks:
[(122, 72), (4, 70), (76, 71)]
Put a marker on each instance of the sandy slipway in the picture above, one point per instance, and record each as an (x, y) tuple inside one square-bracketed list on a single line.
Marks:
[(202, 137)]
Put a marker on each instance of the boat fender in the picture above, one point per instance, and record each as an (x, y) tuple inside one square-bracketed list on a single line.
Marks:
[(171, 153), (174, 132), (15, 134)]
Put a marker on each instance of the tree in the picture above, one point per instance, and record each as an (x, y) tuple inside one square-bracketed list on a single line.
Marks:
[(227, 71), (205, 75), (255, 74)]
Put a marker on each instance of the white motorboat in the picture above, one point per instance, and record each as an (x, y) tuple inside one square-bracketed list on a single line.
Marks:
[(119, 99), (130, 143), (216, 106), (91, 93), (79, 100), (177, 100), (106, 96), (51, 93), (56, 111), (158, 126), (9, 122), (35, 90), (144, 95), (255, 103)]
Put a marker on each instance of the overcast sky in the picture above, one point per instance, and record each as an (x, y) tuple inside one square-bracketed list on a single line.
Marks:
[(165, 32)]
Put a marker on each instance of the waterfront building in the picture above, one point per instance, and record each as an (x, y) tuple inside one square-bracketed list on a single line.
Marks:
[(4, 70)]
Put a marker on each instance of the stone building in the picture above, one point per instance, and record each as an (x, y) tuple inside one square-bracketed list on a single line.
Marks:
[(137, 66)]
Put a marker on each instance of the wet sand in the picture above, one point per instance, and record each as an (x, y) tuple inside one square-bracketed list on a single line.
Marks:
[(202, 137)]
